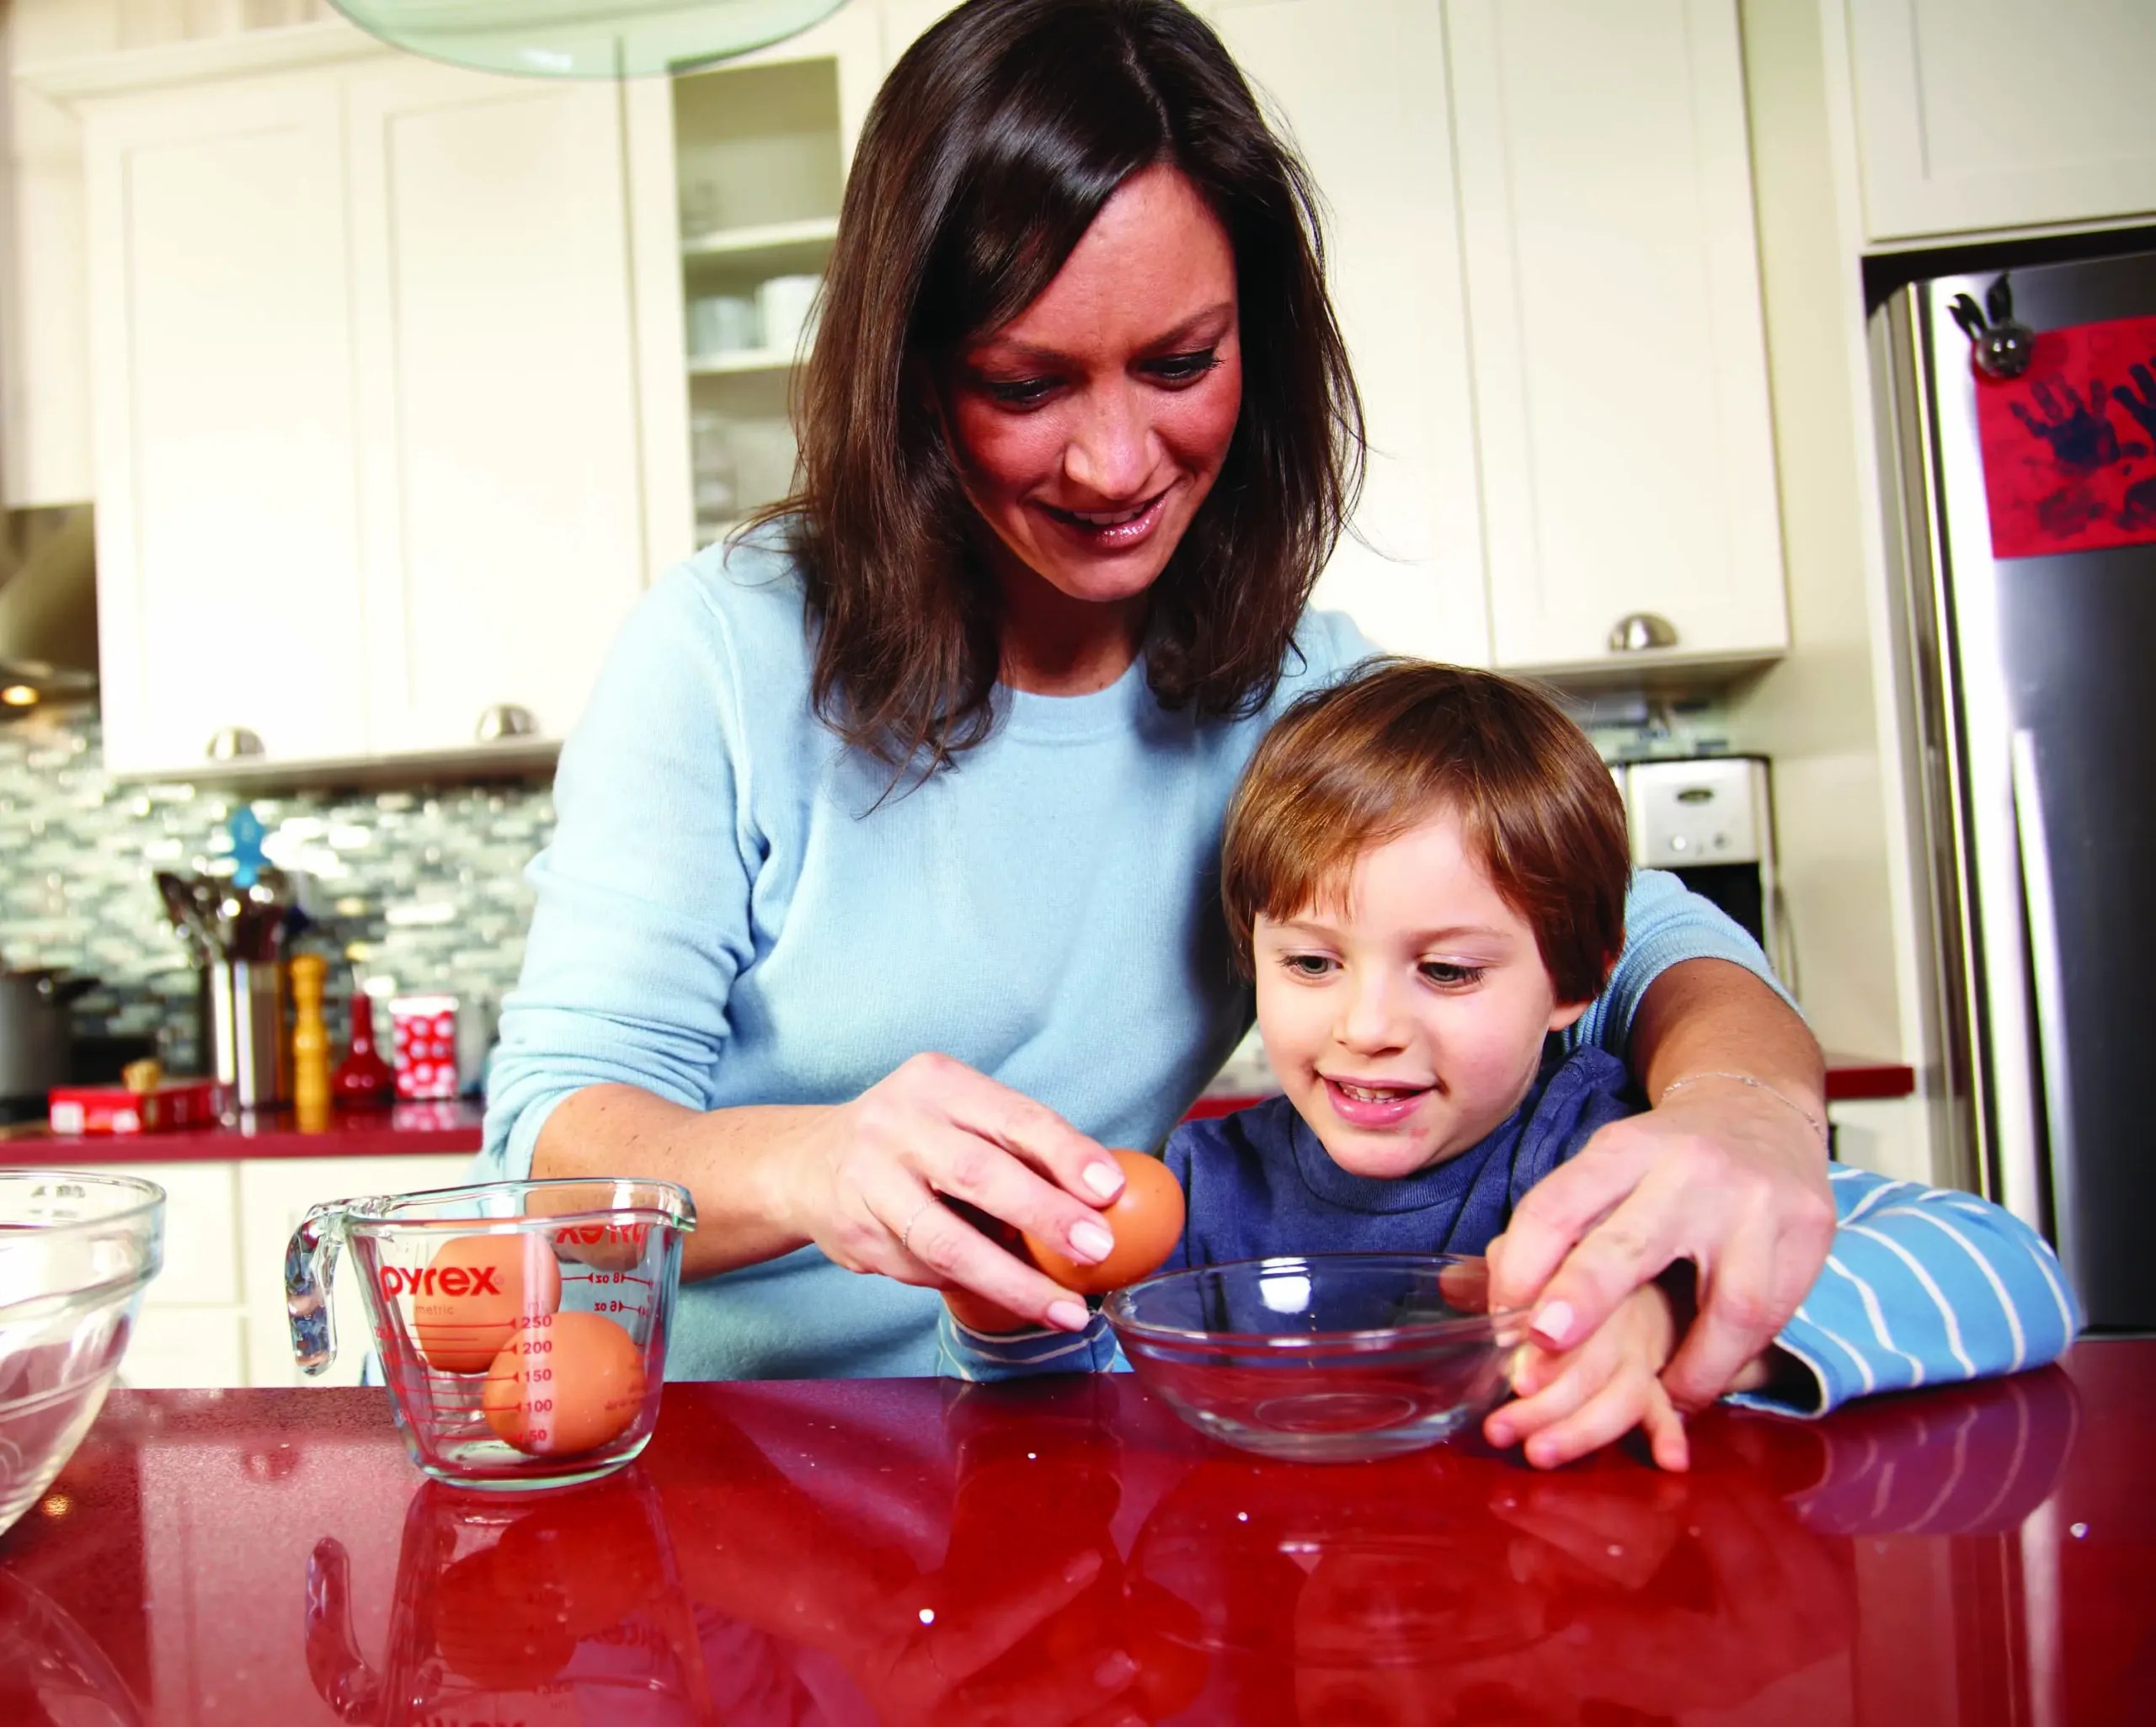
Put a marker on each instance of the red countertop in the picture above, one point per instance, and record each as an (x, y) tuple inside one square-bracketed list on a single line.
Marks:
[(920, 1552), (440, 1128), (450, 1127)]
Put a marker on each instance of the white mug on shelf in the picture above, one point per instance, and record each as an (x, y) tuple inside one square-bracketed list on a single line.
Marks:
[(723, 323), (787, 303)]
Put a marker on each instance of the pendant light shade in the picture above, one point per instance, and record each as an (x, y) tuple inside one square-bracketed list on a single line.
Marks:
[(572, 38)]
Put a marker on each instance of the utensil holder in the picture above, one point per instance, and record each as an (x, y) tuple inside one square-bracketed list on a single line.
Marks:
[(245, 1013)]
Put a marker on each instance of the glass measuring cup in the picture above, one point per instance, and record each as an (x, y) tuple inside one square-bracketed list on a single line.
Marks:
[(520, 1326)]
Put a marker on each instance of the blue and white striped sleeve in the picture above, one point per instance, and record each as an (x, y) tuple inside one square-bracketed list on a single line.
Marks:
[(962, 1353), (1923, 1286)]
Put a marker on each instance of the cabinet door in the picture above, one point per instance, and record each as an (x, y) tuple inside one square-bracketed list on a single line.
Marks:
[(1995, 113), (497, 377), (1620, 360), (1359, 87), (228, 580)]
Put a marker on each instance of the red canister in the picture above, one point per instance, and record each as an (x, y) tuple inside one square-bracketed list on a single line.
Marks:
[(424, 1027)]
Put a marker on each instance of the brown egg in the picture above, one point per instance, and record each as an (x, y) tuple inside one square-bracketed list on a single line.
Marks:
[(977, 1313), (1146, 1219), (475, 1291), (569, 1385)]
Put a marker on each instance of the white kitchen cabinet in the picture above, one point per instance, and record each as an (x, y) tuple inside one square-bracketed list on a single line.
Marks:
[(191, 1329), (1360, 85), (228, 591), (1982, 115), (274, 1194), (215, 1315), (186, 1349), (497, 400), (365, 374), (1618, 355)]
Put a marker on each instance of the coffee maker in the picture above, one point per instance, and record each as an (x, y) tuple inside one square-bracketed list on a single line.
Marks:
[(1707, 821)]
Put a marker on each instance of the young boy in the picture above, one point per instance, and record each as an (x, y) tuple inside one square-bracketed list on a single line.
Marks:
[(1424, 871)]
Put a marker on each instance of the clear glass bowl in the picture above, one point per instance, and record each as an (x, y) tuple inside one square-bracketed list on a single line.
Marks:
[(75, 1253), (1330, 1358)]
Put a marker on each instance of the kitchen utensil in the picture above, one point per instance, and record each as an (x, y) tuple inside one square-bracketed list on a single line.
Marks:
[(75, 1253), (36, 1033), (1329, 1358), (187, 905), (450, 1323), (245, 1013)]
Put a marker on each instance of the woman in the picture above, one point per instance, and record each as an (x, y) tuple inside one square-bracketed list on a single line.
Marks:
[(883, 871)]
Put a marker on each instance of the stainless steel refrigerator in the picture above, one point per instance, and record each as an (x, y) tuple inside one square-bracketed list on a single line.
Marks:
[(2035, 683)]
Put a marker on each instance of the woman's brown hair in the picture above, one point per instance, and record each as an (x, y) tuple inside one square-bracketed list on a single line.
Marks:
[(1352, 767), (990, 148)]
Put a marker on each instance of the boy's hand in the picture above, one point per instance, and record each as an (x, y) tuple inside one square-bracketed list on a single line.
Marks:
[(1568, 1402)]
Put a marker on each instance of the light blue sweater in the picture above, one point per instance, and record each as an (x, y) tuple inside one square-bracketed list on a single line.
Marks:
[(726, 916)]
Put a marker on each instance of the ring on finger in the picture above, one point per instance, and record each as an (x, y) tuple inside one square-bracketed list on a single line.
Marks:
[(905, 1235)]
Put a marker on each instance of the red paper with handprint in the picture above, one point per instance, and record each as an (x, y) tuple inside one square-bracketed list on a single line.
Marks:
[(2070, 445)]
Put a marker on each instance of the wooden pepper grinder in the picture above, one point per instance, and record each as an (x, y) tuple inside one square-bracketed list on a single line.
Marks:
[(310, 1042), (363, 1079)]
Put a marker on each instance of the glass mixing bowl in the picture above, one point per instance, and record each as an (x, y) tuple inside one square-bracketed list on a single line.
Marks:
[(1324, 1359), (75, 1253)]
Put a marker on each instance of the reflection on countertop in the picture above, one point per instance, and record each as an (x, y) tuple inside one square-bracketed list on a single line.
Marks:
[(922, 1552)]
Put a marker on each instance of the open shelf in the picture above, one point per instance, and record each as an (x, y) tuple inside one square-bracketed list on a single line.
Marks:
[(738, 360), (811, 233), (760, 172)]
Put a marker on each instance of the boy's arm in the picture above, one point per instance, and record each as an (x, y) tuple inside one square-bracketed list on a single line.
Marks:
[(963, 1353), (1922, 1287)]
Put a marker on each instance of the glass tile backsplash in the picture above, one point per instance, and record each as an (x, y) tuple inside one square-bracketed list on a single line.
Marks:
[(420, 889)]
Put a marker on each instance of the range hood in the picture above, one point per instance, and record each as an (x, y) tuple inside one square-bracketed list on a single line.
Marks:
[(48, 607)]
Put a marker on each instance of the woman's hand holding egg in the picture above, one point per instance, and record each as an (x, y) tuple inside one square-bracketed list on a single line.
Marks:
[(1146, 1219), (870, 1197)]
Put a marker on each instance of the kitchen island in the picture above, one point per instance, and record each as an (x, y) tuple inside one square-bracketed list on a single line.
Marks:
[(919, 1551)]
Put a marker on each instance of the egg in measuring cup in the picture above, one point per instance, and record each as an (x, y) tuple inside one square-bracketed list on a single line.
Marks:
[(564, 1384), (475, 1291)]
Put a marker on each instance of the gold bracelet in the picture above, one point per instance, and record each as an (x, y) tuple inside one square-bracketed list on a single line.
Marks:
[(1810, 1121)]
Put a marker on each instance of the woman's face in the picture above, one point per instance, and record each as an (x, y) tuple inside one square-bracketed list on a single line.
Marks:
[(1089, 427)]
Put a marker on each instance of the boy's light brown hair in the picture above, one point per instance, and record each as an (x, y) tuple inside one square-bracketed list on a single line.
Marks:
[(1362, 763)]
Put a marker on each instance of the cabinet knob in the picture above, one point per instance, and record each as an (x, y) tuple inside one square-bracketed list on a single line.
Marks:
[(233, 744), (1638, 631), (505, 719)]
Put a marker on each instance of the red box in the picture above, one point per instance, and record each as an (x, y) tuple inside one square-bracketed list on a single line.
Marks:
[(114, 1109), (425, 1036)]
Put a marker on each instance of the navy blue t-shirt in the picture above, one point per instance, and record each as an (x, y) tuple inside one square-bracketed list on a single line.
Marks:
[(1258, 1182)]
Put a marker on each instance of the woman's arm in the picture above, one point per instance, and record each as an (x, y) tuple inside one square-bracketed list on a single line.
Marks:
[(620, 1020), (862, 1180), (1729, 1173)]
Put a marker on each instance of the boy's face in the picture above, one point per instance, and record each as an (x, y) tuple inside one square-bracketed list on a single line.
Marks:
[(1407, 1021)]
